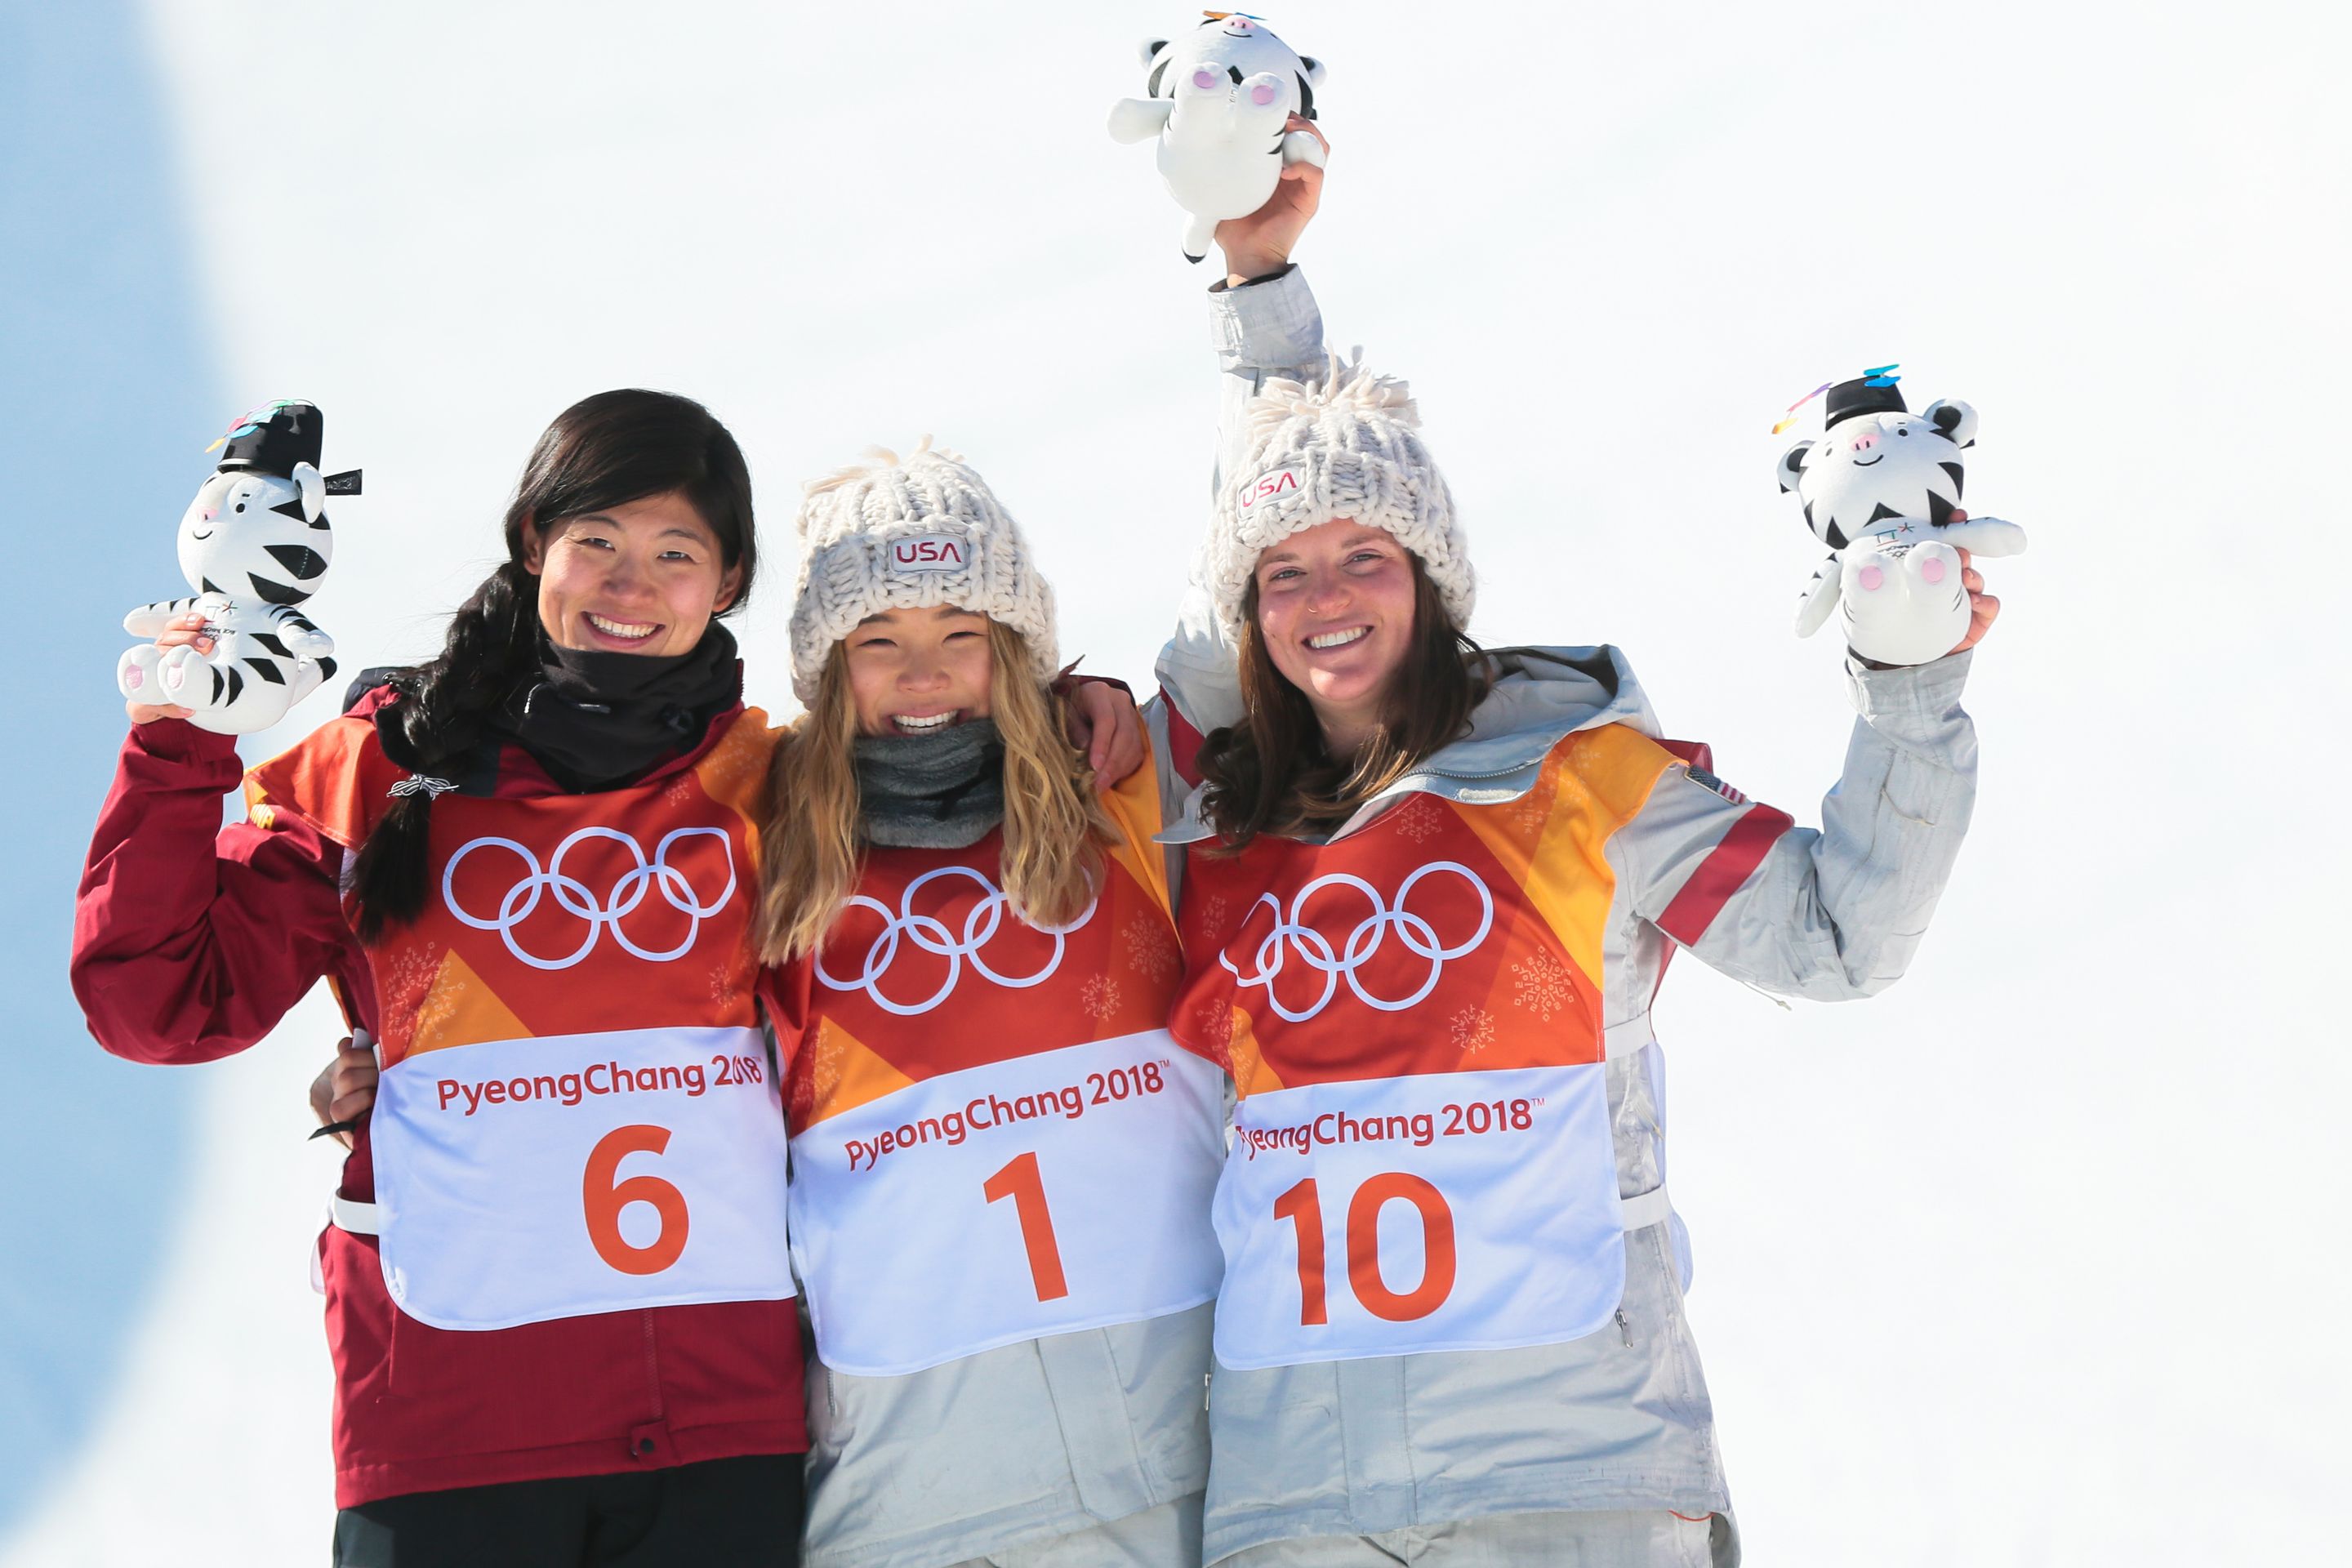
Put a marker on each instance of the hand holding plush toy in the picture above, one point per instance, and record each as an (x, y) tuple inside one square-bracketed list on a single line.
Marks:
[(253, 544), (1882, 489), (1219, 99)]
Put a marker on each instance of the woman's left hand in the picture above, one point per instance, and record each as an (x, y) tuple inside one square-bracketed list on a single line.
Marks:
[(1104, 723), (1982, 606), (345, 1090)]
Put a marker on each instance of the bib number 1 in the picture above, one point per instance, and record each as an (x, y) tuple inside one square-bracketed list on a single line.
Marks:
[(1020, 1182), (1302, 1206)]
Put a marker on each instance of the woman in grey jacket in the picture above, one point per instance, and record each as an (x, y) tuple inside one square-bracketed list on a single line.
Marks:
[(1001, 1161), (1430, 894)]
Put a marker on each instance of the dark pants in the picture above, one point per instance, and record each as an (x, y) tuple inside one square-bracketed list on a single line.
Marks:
[(721, 1513)]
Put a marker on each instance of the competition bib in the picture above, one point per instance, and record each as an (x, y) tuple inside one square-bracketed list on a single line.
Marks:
[(1455, 1211), (576, 1114), (994, 1136), (522, 1180), (1422, 1157), (1050, 1192)]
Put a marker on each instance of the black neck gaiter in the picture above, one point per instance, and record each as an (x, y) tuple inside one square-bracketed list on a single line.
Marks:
[(941, 791), (598, 720)]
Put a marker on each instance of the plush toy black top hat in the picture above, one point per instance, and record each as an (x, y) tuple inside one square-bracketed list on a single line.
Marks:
[(1871, 394), (274, 438)]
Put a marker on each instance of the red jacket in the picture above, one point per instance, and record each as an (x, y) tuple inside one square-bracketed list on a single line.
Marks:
[(181, 955)]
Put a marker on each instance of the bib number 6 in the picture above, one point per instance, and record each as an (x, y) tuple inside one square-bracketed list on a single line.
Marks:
[(1302, 1206), (604, 1194)]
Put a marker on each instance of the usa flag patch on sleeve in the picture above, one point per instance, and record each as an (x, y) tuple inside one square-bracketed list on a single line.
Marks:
[(1705, 780)]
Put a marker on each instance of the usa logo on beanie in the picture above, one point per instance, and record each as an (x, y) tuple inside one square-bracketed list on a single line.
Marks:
[(928, 553), (1274, 485)]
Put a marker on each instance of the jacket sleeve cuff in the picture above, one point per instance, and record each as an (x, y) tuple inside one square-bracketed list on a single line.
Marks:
[(176, 742), (1918, 702), (1275, 323)]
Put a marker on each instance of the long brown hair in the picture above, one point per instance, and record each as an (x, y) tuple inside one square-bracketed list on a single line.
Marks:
[(812, 846), (604, 451), (1272, 772)]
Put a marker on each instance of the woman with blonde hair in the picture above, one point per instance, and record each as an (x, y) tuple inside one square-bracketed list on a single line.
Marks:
[(1002, 1163)]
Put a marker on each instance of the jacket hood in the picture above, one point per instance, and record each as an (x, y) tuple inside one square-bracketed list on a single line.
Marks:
[(1541, 695)]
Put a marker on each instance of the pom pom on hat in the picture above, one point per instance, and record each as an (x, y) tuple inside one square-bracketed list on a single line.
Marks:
[(1346, 444), (893, 533)]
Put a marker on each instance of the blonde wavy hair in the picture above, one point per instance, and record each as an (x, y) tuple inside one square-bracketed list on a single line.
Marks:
[(812, 845)]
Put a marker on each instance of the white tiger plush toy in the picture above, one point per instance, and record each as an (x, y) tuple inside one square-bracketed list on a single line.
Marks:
[(1218, 99), (253, 544), (1880, 488)]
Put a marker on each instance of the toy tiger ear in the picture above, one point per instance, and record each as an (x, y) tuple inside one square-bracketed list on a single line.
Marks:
[(313, 487), (1312, 67), (1792, 465), (1956, 419), (1156, 54)]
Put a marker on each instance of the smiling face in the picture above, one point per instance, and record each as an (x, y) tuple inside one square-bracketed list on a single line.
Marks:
[(1335, 610), (1238, 47), (255, 536), (645, 577), (915, 672), (1875, 466)]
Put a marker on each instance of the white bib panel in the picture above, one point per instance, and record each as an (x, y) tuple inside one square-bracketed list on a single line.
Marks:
[(1051, 1193), (522, 1180), (1434, 1212)]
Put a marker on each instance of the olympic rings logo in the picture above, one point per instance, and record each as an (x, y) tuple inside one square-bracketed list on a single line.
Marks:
[(981, 925), (1292, 934), (577, 898)]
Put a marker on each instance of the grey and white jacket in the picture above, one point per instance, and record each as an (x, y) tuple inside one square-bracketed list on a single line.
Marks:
[(1619, 1419), (1014, 1446), (1019, 1445)]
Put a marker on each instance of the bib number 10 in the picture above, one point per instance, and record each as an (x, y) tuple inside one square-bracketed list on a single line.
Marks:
[(1302, 1206)]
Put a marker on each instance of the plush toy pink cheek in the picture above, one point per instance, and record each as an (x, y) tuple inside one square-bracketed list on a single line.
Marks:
[(1870, 579), (1261, 94)]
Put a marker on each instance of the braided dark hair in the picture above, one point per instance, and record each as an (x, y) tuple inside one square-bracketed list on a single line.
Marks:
[(602, 452)]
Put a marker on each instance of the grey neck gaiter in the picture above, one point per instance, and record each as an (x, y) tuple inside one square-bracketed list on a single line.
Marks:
[(941, 791)]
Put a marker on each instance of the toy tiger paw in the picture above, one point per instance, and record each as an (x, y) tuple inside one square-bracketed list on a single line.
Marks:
[(1901, 604), (253, 544)]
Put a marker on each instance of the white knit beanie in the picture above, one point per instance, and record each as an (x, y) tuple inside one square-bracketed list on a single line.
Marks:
[(1346, 446), (905, 534)]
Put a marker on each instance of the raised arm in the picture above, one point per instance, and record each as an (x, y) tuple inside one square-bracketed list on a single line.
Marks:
[(1264, 324), (1829, 914), (192, 940)]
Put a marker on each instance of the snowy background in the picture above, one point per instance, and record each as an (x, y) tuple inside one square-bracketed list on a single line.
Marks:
[(2036, 1260)]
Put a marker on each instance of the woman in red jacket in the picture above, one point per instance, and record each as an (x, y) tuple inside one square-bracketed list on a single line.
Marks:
[(558, 1300)]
